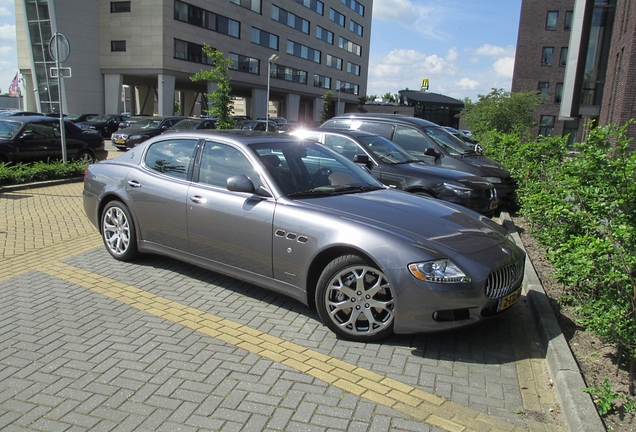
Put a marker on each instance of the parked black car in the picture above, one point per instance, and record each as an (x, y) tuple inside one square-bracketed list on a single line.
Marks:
[(17, 113), (140, 120), (398, 169), (131, 136), (431, 144), (38, 138), (104, 124), (193, 123)]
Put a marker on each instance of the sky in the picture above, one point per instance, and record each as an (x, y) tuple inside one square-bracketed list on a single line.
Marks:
[(464, 47)]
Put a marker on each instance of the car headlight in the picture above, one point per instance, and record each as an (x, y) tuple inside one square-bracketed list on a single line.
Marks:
[(462, 191), (493, 179), (438, 271)]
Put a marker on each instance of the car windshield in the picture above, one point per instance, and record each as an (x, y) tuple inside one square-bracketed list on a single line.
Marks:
[(386, 150), (186, 124), (8, 128), (153, 124), (454, 145), (100, 118), (305, 169)]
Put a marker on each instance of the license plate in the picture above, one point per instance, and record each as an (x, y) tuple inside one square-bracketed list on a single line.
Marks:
[(494, 204), (509, 300), (120, 141)]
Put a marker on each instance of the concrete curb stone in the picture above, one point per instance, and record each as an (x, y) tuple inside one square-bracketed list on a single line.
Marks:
[(577, 406)]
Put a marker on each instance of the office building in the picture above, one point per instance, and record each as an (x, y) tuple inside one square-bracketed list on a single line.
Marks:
[(580, 55), (139, 55)]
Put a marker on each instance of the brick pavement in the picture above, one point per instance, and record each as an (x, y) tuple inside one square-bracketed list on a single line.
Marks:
[(90, 343)]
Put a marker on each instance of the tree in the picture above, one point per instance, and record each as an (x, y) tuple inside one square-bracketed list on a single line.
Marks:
[(328, 107), (501, 111), (221, 103)]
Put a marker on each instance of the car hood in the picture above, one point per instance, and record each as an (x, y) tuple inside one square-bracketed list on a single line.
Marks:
[(424, 220), (491, 167), (429, 172), (139, 130)]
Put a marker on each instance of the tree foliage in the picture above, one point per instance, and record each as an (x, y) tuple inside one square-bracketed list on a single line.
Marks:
[(501, 111), (221, 102), (328, 106), (581, 203)]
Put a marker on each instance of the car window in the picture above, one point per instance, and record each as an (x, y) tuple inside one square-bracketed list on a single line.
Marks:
[(378, 128), (453, 145), (411, 140), (343, 145), (8, 129), (171, 157), (386, 150), (221, 161), (41, 130)]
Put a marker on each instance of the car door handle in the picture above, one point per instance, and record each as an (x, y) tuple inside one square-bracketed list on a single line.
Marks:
[(198, 199), (134, 183)]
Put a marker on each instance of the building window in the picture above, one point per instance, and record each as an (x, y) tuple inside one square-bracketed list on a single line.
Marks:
[(546, 126), (568, 20), (558, 93), (264, 38), (346, 87), (315, 5), (243, 63), (336, 17), (355, 27), (563, 59), (303, 51), (546, 58), (119, 6), (334, 62), (288, 74), (571, 128), (322, 81), (349, 46), (324, 35), (353, 68), (289, 19), (354, 6), (118, 46), (199, 17), (253, 5), (551, 20), (544, 87), (191, 52)]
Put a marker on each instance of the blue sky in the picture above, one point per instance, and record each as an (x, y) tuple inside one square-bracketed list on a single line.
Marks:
[(464, 47)]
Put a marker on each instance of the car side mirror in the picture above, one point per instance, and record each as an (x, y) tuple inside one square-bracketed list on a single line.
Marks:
[(240, 183), (429, 151), (363, 159)]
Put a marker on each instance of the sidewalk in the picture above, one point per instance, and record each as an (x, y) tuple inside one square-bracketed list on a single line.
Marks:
[(91, 343)]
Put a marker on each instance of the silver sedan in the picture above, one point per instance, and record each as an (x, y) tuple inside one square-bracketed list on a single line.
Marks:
[(297, 218)]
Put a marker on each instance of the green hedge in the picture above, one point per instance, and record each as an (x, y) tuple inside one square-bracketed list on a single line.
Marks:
[(13, 174)]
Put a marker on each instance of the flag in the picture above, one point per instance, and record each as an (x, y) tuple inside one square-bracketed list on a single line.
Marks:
[(14, 90)]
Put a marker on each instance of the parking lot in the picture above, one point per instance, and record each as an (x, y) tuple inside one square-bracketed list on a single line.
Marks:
[(90, 343)]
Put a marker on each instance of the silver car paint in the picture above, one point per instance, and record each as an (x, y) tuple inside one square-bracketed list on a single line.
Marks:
[(391, 227)]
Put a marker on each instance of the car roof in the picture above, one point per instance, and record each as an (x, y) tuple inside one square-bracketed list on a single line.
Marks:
[(349, 132), (245, 137), (387, 117)]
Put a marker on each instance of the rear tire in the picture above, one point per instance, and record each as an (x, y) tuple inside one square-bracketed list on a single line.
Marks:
[(86, 156), (118, 231), (355, 300)]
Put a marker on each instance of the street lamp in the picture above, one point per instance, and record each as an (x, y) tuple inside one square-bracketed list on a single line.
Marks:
[(273, 59)]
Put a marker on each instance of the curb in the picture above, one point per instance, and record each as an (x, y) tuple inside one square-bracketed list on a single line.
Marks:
[(11, 188), (578, 407)]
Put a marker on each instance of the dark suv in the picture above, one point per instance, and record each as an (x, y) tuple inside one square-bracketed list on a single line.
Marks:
[(398, 169), (431, 144)]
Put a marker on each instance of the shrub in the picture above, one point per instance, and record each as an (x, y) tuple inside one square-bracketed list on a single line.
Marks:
[(39, 171)]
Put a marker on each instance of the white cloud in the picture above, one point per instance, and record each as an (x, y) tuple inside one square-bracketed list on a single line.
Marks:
[(407, 14), (7, 32), (402, 69), (467, 84), (488, 50), (504, 67)]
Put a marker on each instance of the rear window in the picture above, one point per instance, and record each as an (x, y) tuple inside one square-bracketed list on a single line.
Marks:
[(171, 157)]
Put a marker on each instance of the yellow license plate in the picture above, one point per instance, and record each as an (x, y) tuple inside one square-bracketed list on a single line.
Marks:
[(509, 300), (120, 142)]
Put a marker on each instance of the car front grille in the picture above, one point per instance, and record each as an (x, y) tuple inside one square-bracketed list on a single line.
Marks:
[(505, 280)]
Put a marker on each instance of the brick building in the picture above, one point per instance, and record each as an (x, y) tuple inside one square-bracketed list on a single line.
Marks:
[(580, 55)]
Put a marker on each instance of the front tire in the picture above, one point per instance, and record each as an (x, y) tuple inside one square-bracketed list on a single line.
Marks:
[(118, 231), (355, 300)]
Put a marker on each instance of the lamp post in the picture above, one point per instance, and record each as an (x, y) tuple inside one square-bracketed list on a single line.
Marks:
[(273, 59)]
